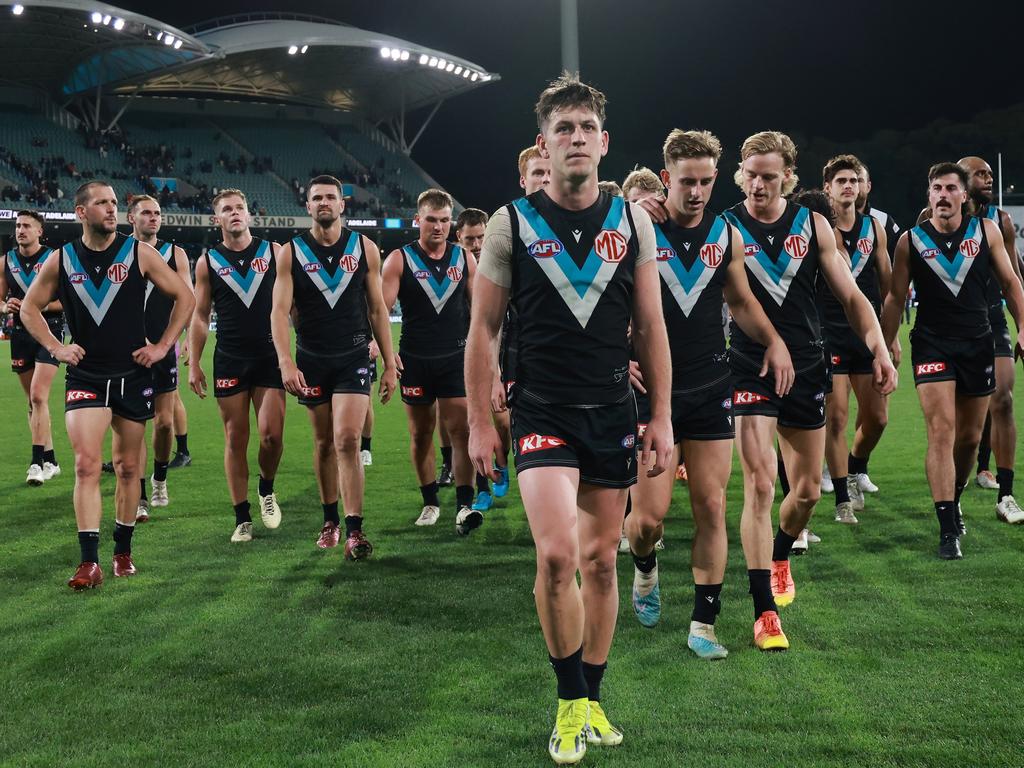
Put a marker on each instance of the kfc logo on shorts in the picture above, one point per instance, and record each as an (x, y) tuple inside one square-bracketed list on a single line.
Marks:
[(931, 253), (311, 391), (77, 395), (543, 249), (629, 440), (454, 274), (260, 265), (751, 249), (745, 397), (836, 359), (19, 363), (610, 245), (969, 248), (313, 267), (796, 246), (225, 383), (117, 273), (927, 368), (224, 271), (727, 403), (664, 254), (78, 277), (711, 254), (412, 391), (641, 430), (865, 244), (535, 442)]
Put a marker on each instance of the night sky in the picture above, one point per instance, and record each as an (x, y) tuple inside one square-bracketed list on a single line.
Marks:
[(732, 66)]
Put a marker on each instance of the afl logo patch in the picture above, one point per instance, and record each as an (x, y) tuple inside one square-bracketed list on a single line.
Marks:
[(610, 245), (969, 248), (117, 273), (864, 245), (314, 267), (751, 249), (796, 246), (224, 271), (931, 253), (454, 274), (421, 274), (711, 254), (260, 265), (542, 249), (664, 254), (727, 403), (16, 270), (147, 392), (78, 277), (629, 441)]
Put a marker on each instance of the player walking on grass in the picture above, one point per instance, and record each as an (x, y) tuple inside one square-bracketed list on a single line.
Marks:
[(101, 280), (331, 277), (237, 277), (577, 264)]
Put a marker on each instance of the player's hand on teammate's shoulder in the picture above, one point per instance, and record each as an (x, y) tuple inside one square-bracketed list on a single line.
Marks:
[(655, 207), (636, 377)]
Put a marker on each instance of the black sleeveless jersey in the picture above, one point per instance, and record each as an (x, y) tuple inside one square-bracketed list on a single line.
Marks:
[(435, 312), (782, 266), (20, 272), (572, 290), (159, 305), (508, 347), (104, 298), (242, 286), (951, 274), (330, 294), (693, 264), (861, 244), (995, 293)]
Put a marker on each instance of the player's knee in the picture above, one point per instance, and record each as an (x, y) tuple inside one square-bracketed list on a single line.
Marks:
[(126, 468), (422, 438), (163, 421), (1001, 404), (87, 468), (556, 566), (324, 447), (347, 440), (645, 524), (806, 494), (708, 511), (835, 422), (763, 486), (597, 569), (37, 399), (270, 440)]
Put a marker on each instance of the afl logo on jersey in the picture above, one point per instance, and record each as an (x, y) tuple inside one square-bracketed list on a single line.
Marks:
[(610, 245), (421, 274), (931, 253), (751, 249), (314, 267), (349, 263), (454, 274), (117, 273), (259, 265), (78, 277), (969, 248), (542, 249), (796, 246), (711, 254), (224, 271), (864, 245), (664, 254)]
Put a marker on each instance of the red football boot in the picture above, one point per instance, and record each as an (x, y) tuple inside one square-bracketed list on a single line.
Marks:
[(87, 576), (329, 536), (123, 565), (357, 546)]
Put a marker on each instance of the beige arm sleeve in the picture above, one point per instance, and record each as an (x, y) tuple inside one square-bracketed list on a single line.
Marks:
[(496, 256), (648, 246)]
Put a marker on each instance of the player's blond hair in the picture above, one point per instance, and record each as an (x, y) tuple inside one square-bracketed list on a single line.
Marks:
[(643, 179), (764, 143), (680, 145), (228, 193), (436, 199), (138, 200), (610, 187)]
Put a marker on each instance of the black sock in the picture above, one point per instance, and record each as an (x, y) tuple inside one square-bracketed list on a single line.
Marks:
[(985, 446), (50, 456), (482, 484), (783, 478), (593, 673), (842, 490), (123, 538), (37, 455), (364, 444), (946, 512), (647, 563), (1004, 477), (142, 486), (353, 523), (160, 470), (242, 512), (266, 486), (89, 543), (429, 492), (463, 495), (181, 441), (958, 493), (331, 513), (446, 456), (706, 603), (856, 466), (761, 591), (569, 671), (783, 545)]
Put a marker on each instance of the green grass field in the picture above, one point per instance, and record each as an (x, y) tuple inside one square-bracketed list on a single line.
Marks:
[(430, 654)]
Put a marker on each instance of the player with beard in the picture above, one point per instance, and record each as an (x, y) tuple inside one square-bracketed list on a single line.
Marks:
[(237, 276), (34, 366), (786, 247), (578, 264), (100, 279), (951, 257)]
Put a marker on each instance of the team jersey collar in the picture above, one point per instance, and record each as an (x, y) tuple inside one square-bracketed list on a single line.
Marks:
[(24, 275), (950, 256), (247, 285), (97, 296), (331, 285), (776, 276), (686, 284), (437, 290)]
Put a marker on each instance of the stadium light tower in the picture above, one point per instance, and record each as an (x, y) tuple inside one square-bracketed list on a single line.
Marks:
[(570, 37)]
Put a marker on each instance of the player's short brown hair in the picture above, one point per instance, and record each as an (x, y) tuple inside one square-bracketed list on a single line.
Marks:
[(228, 193), (764, 143), (840, 163), (525, 157), (325, 178), (137, 200), (567, 92), (946, 168), (32, 215), (643, 179), (681, 145), (82, 195), (470, 217), (434, 198)]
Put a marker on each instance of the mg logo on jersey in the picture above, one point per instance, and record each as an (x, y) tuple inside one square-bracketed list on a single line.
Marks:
[(117, 273), (864, 245), (610, 245), (931, 253), (225, 383), (454, 274), (927, 368), (78, 277), (535, 442), (312, 267), (711, 254), (751, 249), (311, 391), (969, 248), (744, 397), (796, 246), (36, 269), (542, 249), (77, 395), (664, 254), (412, 391), (349, 263), (260, 265)]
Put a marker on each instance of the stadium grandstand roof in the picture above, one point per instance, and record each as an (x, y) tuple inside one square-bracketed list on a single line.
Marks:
[(74, 47)]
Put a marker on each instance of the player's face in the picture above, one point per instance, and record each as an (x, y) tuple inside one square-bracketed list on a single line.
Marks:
[(27, 232), (435, 224), (946, 195), (763, 177), (232, 215), (325, 204), (145, 219), (864, 189), (690, 181), (538, 175), (99, 213), (471, 237), (844, 189), (575, 143), (979, 182)]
